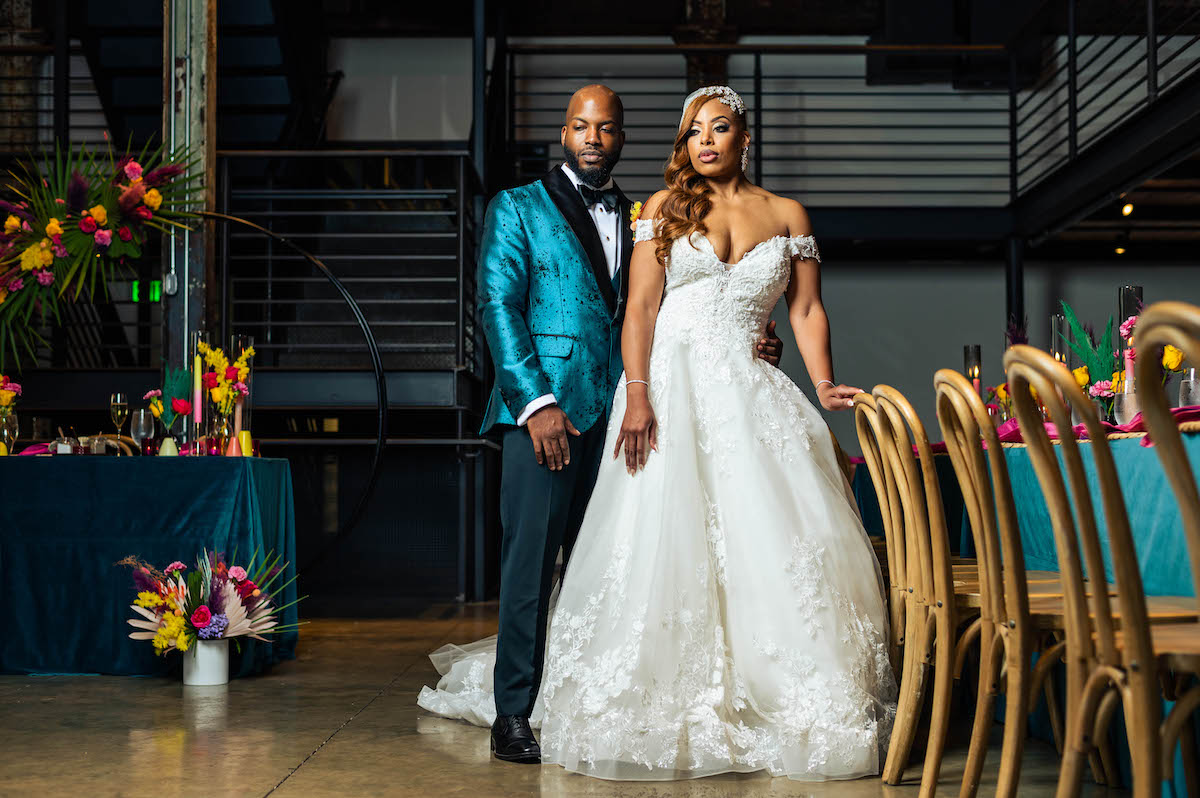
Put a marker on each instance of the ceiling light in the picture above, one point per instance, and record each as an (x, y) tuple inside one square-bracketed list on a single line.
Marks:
[(1127, 209), (1119, 250)]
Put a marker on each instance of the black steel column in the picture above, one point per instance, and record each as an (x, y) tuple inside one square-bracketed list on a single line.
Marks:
[(62, 75), (479, 88), (1151, 54), (1014, 278), (1072, 84), (1012, 127)]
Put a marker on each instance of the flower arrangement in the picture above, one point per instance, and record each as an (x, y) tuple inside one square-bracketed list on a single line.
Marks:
[(226, 384), (214, 601), (635, 211), (9, 392), (176, 386), (77, 218)]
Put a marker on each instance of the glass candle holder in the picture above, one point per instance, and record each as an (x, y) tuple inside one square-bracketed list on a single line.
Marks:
[(973, 366), (193, 427), (1129, 304), (1060, 339), (237, 347)]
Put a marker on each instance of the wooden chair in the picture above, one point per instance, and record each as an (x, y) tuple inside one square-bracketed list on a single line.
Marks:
[(125, 444), (934, 607), (867, 424), (1176, 645), (1104, 668), (1009, 633)]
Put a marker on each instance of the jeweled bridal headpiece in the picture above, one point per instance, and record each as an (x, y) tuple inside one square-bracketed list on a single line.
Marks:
[(726, 95)]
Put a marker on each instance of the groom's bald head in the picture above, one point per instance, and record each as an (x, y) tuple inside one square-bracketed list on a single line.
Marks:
[(599, 99)]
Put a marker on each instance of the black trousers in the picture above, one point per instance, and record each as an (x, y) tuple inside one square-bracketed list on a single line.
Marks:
[(541, 510)]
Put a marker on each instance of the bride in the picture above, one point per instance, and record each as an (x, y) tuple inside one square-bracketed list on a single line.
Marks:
[(722, 608)]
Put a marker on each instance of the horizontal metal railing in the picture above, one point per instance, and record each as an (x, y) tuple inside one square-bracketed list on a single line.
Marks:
[(1095, 81), (822, 130), (398, 228), (27, 99)]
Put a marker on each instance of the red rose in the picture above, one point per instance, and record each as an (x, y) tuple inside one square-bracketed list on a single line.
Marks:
[(231, 374), (202, 617), (209, 380), (142, 212), (245, 588), (87, 224), (182, 407), (124, 233)]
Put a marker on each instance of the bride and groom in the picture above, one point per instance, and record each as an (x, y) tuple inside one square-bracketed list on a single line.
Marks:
[(721, 609)]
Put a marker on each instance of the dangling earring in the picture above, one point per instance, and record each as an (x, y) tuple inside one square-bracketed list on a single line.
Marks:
[(746, 158)]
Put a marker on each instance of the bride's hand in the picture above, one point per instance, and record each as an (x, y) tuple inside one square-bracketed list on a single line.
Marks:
[(639, 430), (837, 397)]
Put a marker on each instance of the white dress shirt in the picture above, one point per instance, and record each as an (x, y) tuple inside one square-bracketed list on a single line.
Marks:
[(606, 221)]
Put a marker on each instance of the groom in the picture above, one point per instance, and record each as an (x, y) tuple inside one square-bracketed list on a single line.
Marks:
[(553, 282)]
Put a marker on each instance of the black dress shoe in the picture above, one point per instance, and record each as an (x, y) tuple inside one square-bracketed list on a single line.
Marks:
[(513, 740)]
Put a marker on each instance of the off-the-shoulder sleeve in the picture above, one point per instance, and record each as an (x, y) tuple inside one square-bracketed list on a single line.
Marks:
[(804, 246), (647, 230)]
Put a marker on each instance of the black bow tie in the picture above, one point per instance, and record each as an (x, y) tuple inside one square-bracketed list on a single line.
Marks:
[(591, 196)]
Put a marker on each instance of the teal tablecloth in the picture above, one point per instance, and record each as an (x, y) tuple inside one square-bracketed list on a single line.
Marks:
[(957, 522), (66, 522)]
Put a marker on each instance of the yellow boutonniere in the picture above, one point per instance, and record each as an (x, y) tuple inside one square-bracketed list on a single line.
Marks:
[(635, 212)]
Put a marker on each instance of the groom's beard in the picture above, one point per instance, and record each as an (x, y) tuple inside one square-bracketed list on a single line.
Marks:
[(594, 176)]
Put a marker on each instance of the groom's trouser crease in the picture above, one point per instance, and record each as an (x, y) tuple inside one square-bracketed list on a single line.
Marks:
[(540, 510)]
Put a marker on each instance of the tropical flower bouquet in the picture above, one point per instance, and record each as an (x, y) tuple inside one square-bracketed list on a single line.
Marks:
[(9, 393), (77, 218), (170, 403), (215, 602), (227, 388)]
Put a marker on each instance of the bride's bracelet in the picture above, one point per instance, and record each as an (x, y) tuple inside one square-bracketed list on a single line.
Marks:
[(630, 382), (818, 385)]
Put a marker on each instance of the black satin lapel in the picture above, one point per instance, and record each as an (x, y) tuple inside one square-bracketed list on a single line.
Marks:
[(626, 246), (566, 198)]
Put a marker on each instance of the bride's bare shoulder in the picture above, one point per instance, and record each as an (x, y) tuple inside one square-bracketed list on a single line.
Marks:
[(792, 214), (650, 209)]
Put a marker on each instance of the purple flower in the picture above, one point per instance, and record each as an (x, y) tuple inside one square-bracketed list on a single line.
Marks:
[(45, 277), (216, 627), (16, 284)]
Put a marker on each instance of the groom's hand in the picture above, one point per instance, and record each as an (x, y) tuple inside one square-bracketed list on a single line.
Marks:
[(770, 348), (548, 430)]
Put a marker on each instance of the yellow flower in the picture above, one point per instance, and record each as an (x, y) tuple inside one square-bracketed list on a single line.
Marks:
[(1118, 381), (156, 408), (635, 212), (7, 398), (54, 228), (1082, 378), (148, 599), (3, 296), (152, 199), (1002, 392), (1172, 358), (181, 643), (218, 394), (12, 225), (100, 215)]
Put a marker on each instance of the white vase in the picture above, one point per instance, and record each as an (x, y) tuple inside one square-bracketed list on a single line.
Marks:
[(207, 662), (168, 448)]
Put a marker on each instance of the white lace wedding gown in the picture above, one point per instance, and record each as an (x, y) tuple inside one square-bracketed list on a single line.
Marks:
[(722, 608)]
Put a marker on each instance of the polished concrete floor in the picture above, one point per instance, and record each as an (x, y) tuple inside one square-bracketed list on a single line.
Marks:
[(340, 720)]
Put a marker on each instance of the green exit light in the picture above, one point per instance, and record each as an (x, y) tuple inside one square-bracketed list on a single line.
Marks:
[(155, 291)]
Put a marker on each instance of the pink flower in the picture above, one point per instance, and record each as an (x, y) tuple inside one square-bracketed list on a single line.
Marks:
[(173, 567), (1127, 326), (103, 237), (60, 201), (1102, 389), (241, 388), (133, 170), (60, 249), (142, 212), (45, 277), (202, 617), (25, 226), (16, 285), (237, 573), (88, 225), (152, 394)]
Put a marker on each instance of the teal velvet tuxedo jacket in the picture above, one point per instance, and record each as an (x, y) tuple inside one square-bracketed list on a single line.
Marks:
[(551, 314)]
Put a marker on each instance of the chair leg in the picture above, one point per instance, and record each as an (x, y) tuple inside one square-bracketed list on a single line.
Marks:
[(908, 708), (990, 659), (1191, 760), (1054, 713), (1082, 714), (1100, 738), (943, 695), (1015, 725)]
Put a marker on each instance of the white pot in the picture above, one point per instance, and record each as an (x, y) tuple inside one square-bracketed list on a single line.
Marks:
[(168, 448), (207, 662)]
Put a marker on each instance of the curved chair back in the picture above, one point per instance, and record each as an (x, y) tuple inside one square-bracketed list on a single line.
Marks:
[(987, 495), (927, 544), (1076, 537), (1176, 324)]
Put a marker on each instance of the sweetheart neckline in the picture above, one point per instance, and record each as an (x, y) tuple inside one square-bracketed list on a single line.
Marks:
[(731, 266)]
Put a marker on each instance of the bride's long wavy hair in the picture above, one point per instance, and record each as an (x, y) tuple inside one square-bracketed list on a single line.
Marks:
[(687, 202)]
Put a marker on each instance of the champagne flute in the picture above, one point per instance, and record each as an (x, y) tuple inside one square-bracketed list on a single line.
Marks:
[(118, 408), (141, 427)]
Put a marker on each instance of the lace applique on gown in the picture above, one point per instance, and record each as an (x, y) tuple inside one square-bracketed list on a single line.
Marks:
[(722, 609)]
